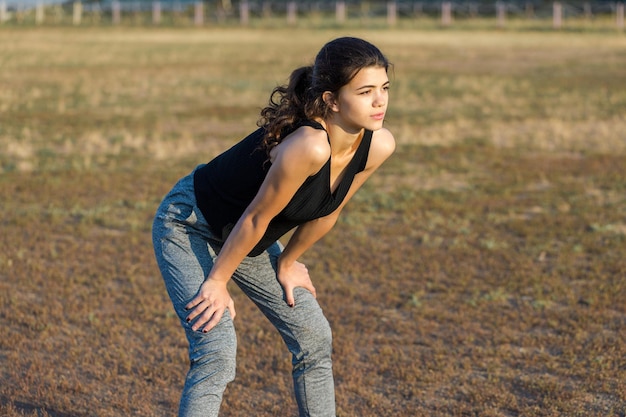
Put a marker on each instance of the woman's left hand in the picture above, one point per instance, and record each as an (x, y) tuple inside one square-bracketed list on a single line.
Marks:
[(292, 276)]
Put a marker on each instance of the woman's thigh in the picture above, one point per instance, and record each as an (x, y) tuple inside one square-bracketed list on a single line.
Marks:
[(303, 324), (183, 245)]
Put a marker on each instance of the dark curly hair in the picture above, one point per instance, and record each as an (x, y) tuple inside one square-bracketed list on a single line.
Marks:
[(301, 99)]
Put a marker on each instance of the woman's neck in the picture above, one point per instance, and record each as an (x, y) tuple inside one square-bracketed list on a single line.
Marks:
[(342, 142)]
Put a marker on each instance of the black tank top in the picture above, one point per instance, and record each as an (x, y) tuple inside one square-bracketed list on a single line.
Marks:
[(226, 185)]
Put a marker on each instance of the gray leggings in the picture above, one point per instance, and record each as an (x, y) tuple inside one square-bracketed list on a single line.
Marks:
[(185, 250)]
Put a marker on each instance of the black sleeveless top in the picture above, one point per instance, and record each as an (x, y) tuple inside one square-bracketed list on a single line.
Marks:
[(226, 185)]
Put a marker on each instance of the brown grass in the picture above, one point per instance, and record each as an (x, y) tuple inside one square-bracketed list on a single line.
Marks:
[(480, 273)]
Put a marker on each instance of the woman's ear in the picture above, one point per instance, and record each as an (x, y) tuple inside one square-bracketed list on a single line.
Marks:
[(330, 100)]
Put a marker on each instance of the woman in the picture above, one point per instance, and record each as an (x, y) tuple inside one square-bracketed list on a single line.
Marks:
[(319, 139)]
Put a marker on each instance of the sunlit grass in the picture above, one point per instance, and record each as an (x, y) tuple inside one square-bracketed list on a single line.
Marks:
[(75, 100)]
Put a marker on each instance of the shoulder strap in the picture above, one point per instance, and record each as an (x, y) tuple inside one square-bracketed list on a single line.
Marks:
[(314, 125), (364, 149), (311, 123)]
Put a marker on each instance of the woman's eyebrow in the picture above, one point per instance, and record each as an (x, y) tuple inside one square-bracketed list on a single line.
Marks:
[(371, 86)]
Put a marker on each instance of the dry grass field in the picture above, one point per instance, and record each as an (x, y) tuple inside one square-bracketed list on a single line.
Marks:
[(480, 273)]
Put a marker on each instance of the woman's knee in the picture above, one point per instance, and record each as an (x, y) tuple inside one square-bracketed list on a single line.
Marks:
[(212, 355), (315, 338), (324, 337), (209, 374), (213, 368)]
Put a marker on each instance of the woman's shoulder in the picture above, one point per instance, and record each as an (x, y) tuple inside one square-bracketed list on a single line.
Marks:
[(382, 146), (383, 141), (306, 144)]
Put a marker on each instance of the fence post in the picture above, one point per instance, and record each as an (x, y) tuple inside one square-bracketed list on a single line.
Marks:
[(340, 11), (39, 13), (473, 10), (156, 12), (198, 16), (587, 10), (3, 11), (116, 12), (392, 13), (418, 9), (244, 13), (292, 11), (501, 14), (266, 10), (620, 16), (77, 12), (557, 15), (446, 13)]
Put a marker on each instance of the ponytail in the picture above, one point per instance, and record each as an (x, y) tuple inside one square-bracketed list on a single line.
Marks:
[(287, 106)]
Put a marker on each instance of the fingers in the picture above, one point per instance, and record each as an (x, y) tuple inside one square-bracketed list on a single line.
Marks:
[(311, 289), (231, 308), (207, 307), (197, 307), (206, 319), (206, 314), (289, 296), (212, 322), (193, 303)]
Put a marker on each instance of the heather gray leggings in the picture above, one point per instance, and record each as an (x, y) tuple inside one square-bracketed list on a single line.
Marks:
[(185, 250)]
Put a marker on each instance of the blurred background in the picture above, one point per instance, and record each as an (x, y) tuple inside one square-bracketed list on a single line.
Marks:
[(538, 13)]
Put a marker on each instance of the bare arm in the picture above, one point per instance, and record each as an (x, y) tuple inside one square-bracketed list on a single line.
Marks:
[(299, 156), (308, 233), (383, 145)]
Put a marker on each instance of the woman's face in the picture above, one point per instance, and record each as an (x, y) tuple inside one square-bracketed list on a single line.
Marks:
[(362, 103)]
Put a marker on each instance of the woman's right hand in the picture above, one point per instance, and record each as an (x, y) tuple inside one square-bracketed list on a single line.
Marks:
[(294, 275), (207, 307)]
